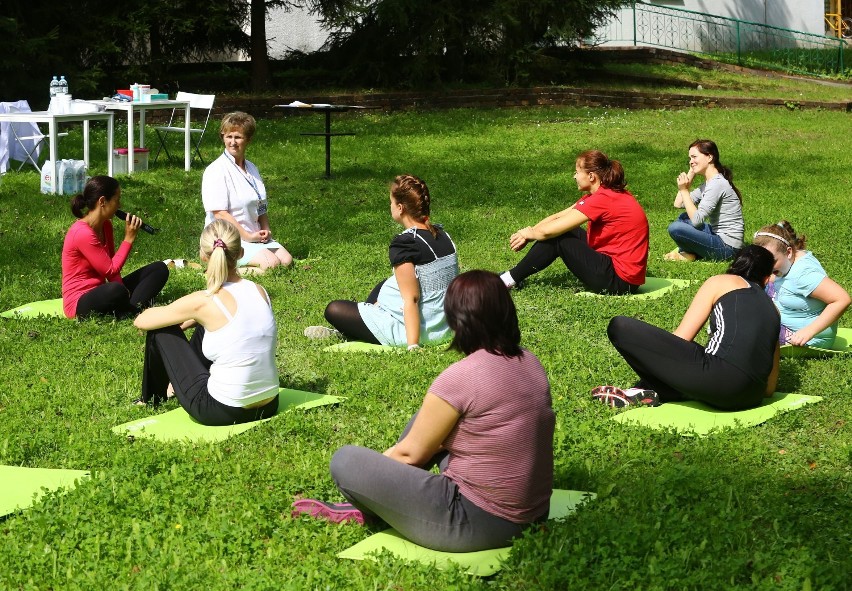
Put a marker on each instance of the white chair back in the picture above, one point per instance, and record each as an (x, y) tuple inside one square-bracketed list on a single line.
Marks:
[(20, 141), (197, 102)]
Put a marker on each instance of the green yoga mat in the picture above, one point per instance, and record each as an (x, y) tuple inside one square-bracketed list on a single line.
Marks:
[(695, 418), (842, 345), (35, 309), (359, 347), (654, 287), (483, 563), (177, 425), (22, 486)]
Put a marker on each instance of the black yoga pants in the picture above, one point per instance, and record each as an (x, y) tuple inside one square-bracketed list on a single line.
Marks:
[(345, 317), (126, 299), (678, 369), (170, 358), (594, 270)]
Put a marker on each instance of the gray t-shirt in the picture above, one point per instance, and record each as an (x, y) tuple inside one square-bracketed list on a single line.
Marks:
[(719, 206)]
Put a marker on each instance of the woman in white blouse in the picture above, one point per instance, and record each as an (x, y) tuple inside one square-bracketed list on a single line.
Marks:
[(232, 190)]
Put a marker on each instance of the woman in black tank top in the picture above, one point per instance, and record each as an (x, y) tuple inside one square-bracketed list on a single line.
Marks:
[(739, 364)]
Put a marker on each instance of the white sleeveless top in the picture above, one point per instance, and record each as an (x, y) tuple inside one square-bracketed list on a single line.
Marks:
[(243, 351)]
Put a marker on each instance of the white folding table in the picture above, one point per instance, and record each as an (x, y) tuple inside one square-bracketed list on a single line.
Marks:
[(139, 107), (53, 121)]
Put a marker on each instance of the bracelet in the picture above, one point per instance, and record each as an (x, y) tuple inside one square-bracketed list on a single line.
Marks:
[(414, 346)]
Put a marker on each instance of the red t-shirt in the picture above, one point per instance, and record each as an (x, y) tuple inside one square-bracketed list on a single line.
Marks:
[(501, 449), (87, 262), (618, 228)]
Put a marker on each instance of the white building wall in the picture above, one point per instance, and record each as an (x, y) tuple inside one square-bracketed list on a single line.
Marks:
[(800, 15), (293, 30)]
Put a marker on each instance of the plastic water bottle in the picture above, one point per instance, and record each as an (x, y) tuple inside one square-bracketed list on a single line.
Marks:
[(63, 85), (54, 87)]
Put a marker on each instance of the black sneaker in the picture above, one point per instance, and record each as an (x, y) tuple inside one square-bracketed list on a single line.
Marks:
[(643, 397)]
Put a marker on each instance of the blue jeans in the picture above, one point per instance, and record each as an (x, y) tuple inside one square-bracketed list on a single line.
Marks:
[(702, 242)]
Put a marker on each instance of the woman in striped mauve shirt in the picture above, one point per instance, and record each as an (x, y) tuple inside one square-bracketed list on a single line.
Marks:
[(486, 422)]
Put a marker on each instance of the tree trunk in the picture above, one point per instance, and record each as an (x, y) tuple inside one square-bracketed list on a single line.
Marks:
[(259, 56)]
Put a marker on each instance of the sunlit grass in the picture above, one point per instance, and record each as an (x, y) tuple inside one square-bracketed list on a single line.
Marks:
[(764, 507)]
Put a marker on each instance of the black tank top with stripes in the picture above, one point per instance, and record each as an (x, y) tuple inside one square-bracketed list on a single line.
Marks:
[(744, 325)]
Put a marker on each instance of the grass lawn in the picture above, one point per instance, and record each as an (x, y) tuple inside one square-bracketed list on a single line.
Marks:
[(681, 78), (766, 507)]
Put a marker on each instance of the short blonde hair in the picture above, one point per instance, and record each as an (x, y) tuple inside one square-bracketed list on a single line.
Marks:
[(220, 245), (240, 121)]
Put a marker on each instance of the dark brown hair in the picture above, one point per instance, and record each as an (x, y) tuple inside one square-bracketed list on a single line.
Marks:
[(413, 194), (96, 187), (481, 313), (709, 148), (609, 171)]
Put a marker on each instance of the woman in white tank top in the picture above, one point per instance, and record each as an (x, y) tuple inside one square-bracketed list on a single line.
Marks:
[(226, 373)]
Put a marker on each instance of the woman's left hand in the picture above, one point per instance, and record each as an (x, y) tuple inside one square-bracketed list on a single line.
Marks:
[(800, 338), (519, 239), (684, 180)]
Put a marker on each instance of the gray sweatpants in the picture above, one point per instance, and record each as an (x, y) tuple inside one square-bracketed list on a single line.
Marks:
[(424, 507)]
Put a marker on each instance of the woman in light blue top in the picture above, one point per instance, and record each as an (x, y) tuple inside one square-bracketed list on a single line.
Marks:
[(810, 302), (407, 309), (712, 226)]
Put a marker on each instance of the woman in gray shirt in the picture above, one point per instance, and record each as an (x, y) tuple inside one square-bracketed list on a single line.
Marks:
[(712, 226)]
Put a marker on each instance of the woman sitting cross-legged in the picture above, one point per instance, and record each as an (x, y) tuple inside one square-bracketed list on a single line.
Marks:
[(739, 365), (226, 373), (810, 302), (612, 256), (712, 226), (406, 309), (232, 190), (92, 284), (486, 422)]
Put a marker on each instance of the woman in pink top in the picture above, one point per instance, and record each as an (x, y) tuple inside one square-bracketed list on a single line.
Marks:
[(91, 267), (486, 422)]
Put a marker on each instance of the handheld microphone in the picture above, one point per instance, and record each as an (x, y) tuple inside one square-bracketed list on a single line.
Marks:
[(123, 217)]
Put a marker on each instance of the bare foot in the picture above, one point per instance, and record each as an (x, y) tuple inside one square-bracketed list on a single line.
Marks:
[(244, 271), (170, 391), (677, 255)]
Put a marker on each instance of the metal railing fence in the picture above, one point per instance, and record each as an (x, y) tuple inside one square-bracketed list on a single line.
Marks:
[(727, 39)]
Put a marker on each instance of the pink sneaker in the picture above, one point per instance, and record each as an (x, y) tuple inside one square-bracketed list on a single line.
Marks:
[(334, 512)]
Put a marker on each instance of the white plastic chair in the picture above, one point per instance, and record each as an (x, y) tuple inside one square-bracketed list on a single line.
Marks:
[(26, 137), (200, 103)]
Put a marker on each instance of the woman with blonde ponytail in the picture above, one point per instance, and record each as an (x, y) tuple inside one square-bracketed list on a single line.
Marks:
[(226, 373)]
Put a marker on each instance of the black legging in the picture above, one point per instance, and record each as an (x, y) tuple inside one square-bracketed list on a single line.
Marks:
[(592, 268), (345, 317), (169, 357), (126, 299), (677, 369)]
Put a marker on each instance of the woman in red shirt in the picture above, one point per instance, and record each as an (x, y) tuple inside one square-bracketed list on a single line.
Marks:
[(612, 255), (91, 267)]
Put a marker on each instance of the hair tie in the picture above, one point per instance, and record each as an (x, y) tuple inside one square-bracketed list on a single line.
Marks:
[(771, 235), (782, 226), (219, 243)]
